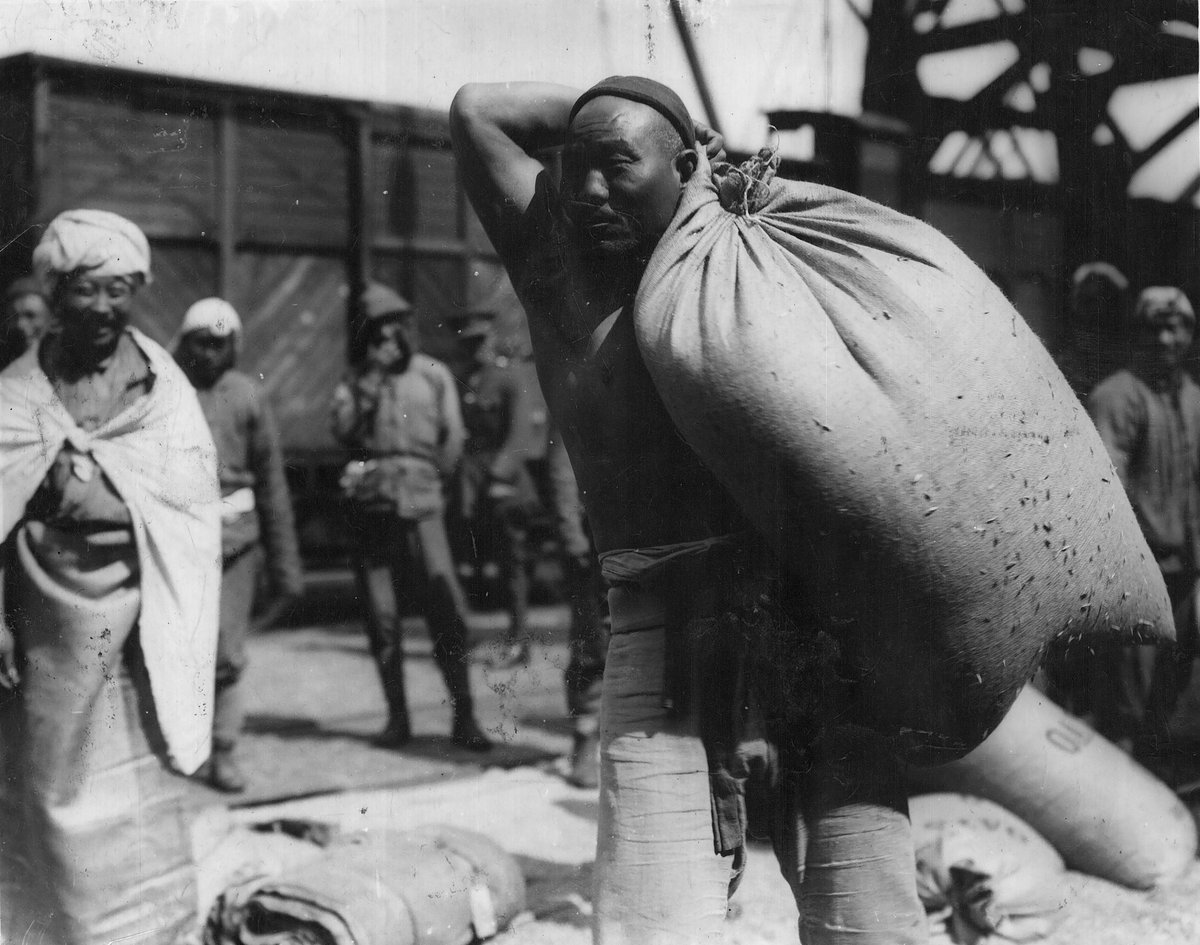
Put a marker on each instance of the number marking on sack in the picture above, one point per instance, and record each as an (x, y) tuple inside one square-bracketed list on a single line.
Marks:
[(1067, 737)]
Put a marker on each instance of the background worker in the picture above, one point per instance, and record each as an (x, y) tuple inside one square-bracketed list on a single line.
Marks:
[(108, 606), (24, 320), (1093, 346), (257, 525), (496, 494), (398, 410), (1148, 415)]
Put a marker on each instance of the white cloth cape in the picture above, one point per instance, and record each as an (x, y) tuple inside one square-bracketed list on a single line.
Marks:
[(159, 455)]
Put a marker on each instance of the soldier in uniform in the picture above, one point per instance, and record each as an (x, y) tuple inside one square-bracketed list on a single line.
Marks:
[(496, 493), (399, 412)]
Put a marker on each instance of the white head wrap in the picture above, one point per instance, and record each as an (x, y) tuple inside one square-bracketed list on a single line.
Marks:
[(101, 243), (1163, 296), (212, 315), (1100, 270)]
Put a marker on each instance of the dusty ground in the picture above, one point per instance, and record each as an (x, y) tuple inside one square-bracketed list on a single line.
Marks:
[(314, 703)]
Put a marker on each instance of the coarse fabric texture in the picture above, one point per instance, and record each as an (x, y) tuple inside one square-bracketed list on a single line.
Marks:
[(675, 756), (903, 441), (1150, 425), (1104, 813), (984, 875), (658, 880), (99, 242), (842, 837), (435, 886), (159, 456), (94, 842)]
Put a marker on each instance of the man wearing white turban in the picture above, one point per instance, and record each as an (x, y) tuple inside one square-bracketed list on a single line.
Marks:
[(94, 241), (110, 571)]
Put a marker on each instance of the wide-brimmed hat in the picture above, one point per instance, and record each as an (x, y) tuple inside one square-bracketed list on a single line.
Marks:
[(379, 301)]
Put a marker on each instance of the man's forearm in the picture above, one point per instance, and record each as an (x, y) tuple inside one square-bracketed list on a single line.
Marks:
[(498, 132), (532, 115)]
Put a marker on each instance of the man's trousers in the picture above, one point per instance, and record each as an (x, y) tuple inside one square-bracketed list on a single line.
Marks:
[(404, 566)]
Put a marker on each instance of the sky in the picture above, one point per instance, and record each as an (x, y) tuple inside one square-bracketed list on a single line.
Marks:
[(757, 54)]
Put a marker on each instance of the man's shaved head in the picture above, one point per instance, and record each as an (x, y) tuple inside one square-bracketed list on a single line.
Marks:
[(646, 92), (664, 135), (624, 167)]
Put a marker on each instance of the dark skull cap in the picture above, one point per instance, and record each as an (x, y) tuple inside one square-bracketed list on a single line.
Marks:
[(636, 88)]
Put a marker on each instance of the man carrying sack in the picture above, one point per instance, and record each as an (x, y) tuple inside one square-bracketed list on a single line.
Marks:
[(766, 417)]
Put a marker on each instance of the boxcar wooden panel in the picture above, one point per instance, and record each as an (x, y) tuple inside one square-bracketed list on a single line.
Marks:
[(155, 166), (435, 193), (182, 274), (292, 186), (294, 342)]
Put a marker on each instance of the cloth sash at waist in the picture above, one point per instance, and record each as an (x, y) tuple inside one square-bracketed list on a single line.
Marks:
[(644, 566), (697, 593), (238, 503)]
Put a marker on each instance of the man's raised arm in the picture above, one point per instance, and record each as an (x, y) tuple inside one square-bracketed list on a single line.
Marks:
[(496, 130)]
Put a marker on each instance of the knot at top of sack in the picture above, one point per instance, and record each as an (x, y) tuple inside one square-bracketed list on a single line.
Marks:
[(743, 189)]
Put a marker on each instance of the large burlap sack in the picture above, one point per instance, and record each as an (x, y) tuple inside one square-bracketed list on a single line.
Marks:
[(889, 423), (983, 874), (1104, 813), (438, 885)]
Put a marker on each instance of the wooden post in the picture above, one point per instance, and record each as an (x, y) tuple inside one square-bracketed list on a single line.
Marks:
[(226, 200), (358, 249)]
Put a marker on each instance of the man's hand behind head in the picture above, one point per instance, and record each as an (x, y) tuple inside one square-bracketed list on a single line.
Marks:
[(713, 142)]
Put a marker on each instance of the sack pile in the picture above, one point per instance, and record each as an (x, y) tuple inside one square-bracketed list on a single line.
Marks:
[(434, 886), (899, 435), (1104, 813)]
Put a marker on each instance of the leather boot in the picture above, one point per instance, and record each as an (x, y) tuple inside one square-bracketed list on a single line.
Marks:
[(585, 761), (397, 732), (467, 733)]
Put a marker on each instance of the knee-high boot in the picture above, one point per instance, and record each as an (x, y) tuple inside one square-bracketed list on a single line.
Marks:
[(391, 674), (450, 652)]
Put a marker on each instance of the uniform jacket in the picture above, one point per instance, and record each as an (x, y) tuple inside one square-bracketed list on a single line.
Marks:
[(1152, 432), (408, 431), (249, 457)]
